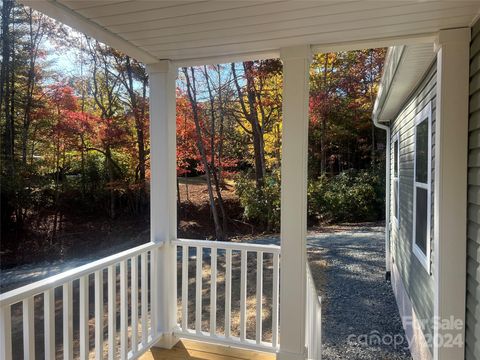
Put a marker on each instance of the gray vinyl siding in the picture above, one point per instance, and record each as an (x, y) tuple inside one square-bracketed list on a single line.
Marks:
[(417, 281), (472, 346)]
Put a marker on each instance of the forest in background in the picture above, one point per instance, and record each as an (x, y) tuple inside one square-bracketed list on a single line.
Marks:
[(75, 144)]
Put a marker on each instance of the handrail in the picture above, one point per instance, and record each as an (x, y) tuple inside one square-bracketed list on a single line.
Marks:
[(275, 249), (17, 295)]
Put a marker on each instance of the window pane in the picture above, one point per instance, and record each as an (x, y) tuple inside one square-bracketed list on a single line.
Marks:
[(421, 220), (421, 147), (395, 198), (395, 159)]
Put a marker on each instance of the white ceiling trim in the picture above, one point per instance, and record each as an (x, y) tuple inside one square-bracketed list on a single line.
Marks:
[(225, 59), (376, 43)]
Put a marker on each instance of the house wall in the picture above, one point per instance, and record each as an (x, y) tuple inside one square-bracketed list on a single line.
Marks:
[(413, 285), (472, 346)]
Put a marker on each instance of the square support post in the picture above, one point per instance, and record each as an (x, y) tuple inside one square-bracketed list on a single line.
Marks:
[(296, 66), (450, 192), (163, 206)]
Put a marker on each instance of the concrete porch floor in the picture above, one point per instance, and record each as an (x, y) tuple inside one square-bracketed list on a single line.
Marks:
[(196, 350)]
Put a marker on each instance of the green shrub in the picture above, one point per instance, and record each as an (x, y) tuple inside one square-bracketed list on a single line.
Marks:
[(261, 205), (350, 196)]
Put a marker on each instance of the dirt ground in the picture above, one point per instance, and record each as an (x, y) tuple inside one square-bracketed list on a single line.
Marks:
[(82, 236), (195, 221)]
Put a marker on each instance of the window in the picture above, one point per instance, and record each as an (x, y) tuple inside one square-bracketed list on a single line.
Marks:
[(396, 177), (422, 174)]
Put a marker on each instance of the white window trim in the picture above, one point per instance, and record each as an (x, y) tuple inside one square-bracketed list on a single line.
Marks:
[(425, 114), (396, 139)]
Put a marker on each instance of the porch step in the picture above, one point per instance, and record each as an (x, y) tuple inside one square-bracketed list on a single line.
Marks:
[(196, 350)]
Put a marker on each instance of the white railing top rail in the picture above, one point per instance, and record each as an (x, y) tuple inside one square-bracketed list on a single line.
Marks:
[(275, 249), (17, 295)]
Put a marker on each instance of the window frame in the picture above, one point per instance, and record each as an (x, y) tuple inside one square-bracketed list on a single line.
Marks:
[(396, 139), (425, 259)]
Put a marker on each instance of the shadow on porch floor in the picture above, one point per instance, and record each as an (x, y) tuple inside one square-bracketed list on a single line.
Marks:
[(195, 350)]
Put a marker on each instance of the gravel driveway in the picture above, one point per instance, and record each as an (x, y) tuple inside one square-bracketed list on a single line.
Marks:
[(359, 307)]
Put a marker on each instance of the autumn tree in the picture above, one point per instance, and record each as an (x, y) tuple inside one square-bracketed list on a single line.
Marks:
[(259, 105), (23, 35), (134, 79), (105, 94), (343, 87)]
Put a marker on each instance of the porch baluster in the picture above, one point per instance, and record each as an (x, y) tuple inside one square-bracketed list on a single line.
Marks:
[(99, 314), (198, 292), (28, 329), (84, 334)]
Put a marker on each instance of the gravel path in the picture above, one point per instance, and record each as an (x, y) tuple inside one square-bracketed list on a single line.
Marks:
[(360, 315)]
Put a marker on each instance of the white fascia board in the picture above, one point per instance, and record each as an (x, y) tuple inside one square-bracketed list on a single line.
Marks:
[(69, 17), (405, 67), (392, 62)]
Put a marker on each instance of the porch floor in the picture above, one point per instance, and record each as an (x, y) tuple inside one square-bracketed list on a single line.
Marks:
[(196, 350)]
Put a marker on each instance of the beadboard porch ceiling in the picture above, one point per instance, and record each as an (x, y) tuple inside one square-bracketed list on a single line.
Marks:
[(184, 30)]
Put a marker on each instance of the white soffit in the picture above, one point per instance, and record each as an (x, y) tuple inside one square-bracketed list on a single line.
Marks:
[(187, 30), (405, 67)]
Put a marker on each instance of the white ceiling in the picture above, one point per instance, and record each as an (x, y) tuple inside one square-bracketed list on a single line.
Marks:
[(182, 30)]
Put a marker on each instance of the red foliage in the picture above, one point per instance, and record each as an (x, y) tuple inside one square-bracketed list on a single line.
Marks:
[(186, 136), (187, 147), (62, 97)]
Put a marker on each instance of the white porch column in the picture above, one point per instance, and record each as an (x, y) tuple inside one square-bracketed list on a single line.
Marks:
[(296, 62), (163, 207), (450, 191)]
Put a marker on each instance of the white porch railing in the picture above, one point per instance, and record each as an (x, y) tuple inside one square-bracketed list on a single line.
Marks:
[(62, 303), (313, 331), (89, 311), (213, 262)]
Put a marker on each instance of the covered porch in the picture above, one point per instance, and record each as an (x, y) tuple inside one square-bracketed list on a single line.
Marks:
[(146, 289)]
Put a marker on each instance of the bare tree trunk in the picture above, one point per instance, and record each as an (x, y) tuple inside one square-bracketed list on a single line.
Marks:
[(218, 189), (371, 105), (34, 38), (6, 52), (323, 133), (222, 125), (191, 90), (111, 179), (106, 104), (8, 208), (251, 116), (56, 191), (258, 141), (138, 115)]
